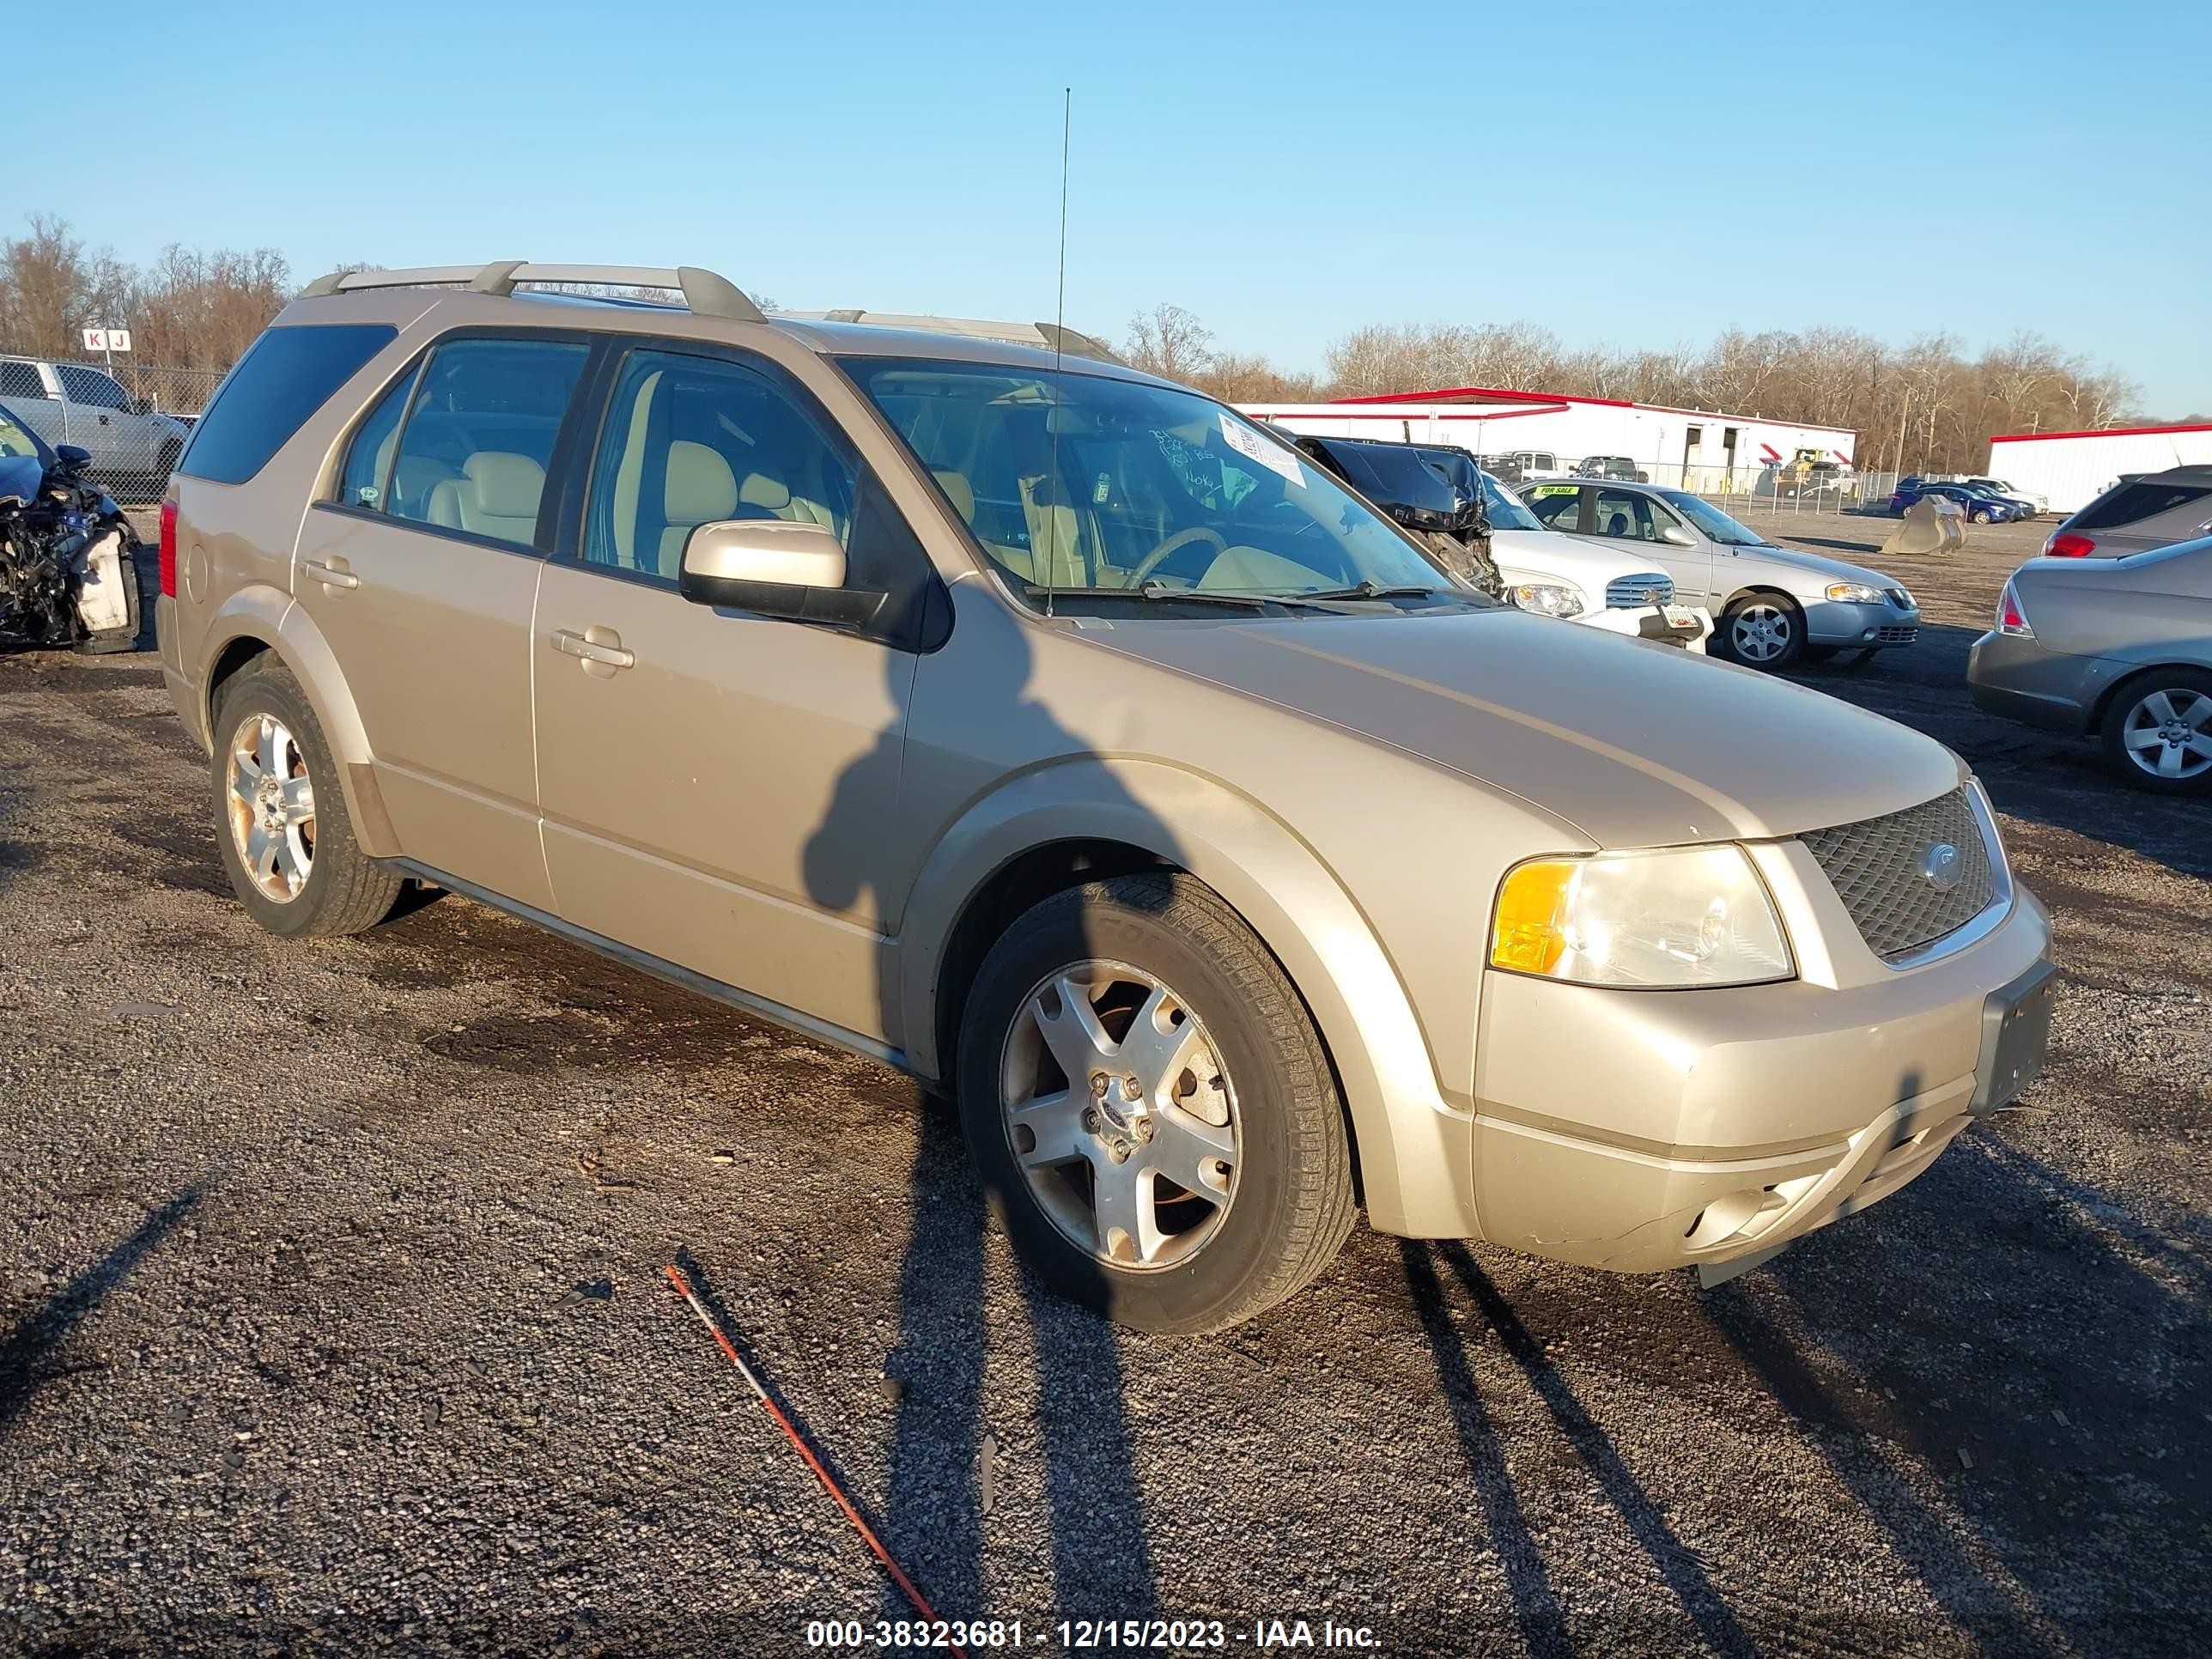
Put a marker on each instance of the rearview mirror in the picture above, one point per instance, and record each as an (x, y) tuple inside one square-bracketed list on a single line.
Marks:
[(774, 568), (1677, 535)]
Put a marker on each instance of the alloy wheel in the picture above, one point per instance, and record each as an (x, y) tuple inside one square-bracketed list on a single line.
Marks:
[(1121, 1114), (2169, 733), (272, 807), (1761, 633)]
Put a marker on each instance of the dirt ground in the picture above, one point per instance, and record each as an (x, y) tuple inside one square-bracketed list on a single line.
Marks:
[(330, 1277)]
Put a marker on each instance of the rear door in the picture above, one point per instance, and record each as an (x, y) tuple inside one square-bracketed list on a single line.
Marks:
[(2148, 513), (24, 390), (101, 420), (421, 572)]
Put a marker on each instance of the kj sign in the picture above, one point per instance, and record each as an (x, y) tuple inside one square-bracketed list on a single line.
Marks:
[(107, 339)]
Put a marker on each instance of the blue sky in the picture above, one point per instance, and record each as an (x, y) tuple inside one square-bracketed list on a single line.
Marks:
[(1640, 175)]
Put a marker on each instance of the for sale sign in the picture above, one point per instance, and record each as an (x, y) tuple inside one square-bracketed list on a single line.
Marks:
[(107, 339)]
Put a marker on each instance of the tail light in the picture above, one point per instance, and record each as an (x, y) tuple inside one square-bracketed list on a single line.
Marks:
[(168, 550), (2011, 619), (2066, 544)]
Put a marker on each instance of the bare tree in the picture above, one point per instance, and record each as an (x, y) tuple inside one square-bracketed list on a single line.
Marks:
[(1169, 341)]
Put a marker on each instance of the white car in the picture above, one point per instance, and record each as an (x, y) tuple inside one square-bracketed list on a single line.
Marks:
[(1585, 581), (2041, 503)]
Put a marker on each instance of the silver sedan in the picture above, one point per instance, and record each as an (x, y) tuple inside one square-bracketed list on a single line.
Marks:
[(1775, 605)]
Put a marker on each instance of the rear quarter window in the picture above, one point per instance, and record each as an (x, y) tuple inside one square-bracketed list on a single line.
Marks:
[(275, 386), (2132, 503)]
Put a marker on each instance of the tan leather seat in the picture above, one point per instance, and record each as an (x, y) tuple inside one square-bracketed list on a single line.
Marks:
[(496, 494), (412, 480), (958, 491), (774, 496), (698, 489)]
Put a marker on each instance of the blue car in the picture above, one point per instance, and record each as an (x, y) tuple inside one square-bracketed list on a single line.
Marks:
[(1981, 505)]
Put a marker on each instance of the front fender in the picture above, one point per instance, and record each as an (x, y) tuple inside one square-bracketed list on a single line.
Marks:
[(1415, 1150), (267, 614)]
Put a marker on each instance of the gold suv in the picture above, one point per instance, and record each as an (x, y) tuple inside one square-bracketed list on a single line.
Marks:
[(958, 694)]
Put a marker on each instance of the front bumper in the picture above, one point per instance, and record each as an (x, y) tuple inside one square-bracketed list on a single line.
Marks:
[(2017, 678), (1639, 1131), (1829, 622)]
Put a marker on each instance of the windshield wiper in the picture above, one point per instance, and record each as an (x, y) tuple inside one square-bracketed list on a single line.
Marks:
[(1159, 593), (1375, 590)]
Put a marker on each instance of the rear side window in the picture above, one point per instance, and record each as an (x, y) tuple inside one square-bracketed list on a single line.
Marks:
[(365, 479), (1559, 506), (283, 380), (20, 380), (2132, 503), (480, 436)]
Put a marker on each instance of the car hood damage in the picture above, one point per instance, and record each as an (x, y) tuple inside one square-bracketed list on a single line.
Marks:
[(1633, 744)]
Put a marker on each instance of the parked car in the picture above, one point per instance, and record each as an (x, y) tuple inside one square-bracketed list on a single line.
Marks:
[(1608, 467), (132, 447), (1437, 491), (68, 575), (1057, 735), (1978, 505), (1524, 464), (2143, 511), (1775, 605), (2040, 503), (2115, 646)]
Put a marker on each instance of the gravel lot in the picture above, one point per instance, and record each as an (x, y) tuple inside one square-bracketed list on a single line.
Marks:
[(330, 1277)]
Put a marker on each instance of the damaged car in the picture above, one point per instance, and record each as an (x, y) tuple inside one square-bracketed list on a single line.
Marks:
[(69, 572)]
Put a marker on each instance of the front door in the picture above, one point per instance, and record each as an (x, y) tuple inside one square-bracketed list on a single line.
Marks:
[(719, 788), (1637, 525), (100, 421), (423, 575)]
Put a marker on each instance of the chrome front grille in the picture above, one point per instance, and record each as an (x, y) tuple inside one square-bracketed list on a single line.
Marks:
[(1888, 872), (1634, 593)]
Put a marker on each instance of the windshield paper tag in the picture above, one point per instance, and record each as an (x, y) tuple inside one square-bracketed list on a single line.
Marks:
[(1269, 453)]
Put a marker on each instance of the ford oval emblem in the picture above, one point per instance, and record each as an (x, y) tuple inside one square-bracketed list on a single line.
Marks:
[(1942, 869)]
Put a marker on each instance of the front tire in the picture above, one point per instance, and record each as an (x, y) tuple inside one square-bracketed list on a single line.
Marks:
[(281, 826), (2157, 732), (1982, 515), (1150, 1108), (1761, 630)]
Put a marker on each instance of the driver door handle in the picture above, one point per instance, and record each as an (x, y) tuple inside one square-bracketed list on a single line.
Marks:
[(576, 644)]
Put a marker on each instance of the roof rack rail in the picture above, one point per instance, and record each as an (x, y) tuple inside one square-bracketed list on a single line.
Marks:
[(705, 294), (1050, 335)]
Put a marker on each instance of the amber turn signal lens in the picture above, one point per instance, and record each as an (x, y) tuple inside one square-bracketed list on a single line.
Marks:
[(1528, 932)]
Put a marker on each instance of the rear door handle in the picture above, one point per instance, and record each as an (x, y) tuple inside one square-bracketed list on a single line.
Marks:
[(333, 574), (592, 650)]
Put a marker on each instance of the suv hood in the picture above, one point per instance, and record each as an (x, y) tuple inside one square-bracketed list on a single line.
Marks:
[(1633, 744)]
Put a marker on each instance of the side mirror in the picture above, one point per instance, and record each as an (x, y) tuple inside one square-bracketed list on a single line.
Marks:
[(73, 457), (774, 567), (1677, 535)]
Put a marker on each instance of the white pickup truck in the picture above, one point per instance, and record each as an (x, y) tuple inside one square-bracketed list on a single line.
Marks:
[(131, 446)]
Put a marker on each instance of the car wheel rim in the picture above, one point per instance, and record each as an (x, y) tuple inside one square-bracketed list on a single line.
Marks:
[(1760, 633), (272, 807), (2169, 733), (1121, 1115)]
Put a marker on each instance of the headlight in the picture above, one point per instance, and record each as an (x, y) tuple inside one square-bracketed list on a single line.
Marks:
[(1548, 599), (1857, 593), (1689, 916)]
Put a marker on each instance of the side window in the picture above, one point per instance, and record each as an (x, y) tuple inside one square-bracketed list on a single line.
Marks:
[(90, 387), (1557, 505), (2135, 502), (1627, 513), (366, 477), (19, 380), (690, 440), (477, 444), (283, 379)]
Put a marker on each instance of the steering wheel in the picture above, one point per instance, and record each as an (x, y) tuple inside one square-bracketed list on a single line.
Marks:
[(1153, 559)]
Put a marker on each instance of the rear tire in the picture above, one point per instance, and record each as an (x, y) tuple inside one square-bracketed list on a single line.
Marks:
[(2166, 713), (1761, 630), (1283, 1200), (281, 827)]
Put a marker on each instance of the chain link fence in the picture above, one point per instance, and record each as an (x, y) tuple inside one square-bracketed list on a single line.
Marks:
[(1744, 491), (132, 419)]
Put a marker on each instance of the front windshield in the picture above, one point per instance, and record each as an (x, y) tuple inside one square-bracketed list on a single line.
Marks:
[(16, 439), (1505, 511), (1093, 484), (1716, 524)]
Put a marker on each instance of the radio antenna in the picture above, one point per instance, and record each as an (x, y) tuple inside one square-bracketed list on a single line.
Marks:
[(1059, 333)]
